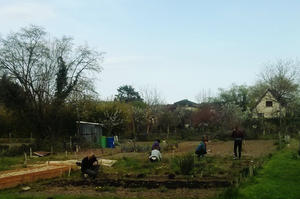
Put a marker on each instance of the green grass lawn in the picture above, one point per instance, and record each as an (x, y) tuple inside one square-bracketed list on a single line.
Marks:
[(7, 163), (278, 179)]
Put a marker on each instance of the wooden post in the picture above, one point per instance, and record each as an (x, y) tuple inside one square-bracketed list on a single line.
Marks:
[(30, 152), (173, 153), (70, 142), (251, 171), (69, 174), (25, 159), (9, 137), (66, 153)]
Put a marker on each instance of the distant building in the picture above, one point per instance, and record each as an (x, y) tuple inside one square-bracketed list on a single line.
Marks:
[(186, 105), (90, 131), (268, 107)]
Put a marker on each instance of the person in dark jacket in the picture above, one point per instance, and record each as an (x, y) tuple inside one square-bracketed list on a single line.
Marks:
[(201, 149), (90, 165), (156, 145), (238, 137)]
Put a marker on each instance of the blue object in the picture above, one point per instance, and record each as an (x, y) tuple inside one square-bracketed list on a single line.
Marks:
[(110, 143)]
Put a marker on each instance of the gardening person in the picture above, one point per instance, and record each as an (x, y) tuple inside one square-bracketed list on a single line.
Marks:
[(201, 148), (155, 155), (156, 145), (238, 136), (90, 166)]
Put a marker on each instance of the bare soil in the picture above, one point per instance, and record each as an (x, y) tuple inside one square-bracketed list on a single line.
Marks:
[(126, 193), (251, 148)]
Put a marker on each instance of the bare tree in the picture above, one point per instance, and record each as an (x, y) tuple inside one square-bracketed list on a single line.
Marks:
[(152, 96), (204, 96), (33, 61), (281, 77), (153, 99), (111, 120), (45, 68)]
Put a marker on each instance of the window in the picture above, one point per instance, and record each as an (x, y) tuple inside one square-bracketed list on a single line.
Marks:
[(269, 103)]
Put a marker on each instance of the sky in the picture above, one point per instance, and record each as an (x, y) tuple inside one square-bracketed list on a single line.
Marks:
[(179, 48)]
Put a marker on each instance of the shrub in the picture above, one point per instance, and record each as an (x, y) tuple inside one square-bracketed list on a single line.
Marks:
[(185, 164)]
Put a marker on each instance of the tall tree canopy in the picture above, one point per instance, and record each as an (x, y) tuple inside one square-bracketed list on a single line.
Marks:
[(127, 93), (237, 95)]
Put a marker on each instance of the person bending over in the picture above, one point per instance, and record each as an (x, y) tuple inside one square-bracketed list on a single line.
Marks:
[(155, 155), (90, 166), (201, 149)]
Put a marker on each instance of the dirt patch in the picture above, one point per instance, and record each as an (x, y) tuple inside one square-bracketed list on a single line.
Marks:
[(161, 192), (252, 148), (147, 183)]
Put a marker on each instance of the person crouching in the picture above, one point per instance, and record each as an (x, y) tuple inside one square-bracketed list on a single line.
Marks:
[(90, 166), (155, 155), (201, 149)]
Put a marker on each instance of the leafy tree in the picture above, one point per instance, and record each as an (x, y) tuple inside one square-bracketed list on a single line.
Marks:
[(113, 116), (127, 93), (62, 88), (12, 94), (237, 95), (14, 103)]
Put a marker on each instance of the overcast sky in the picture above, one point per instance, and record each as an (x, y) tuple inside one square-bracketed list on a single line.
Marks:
[(179, 47)]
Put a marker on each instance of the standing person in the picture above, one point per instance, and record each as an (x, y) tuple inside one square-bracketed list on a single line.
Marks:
[(90, 165), (155, 155), (201, 149), (238, 136), (156, 145)]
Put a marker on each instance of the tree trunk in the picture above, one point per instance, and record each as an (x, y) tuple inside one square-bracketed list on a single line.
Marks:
[(168, 130)]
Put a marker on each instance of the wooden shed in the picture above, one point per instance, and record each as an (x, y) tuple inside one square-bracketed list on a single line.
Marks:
[(90, 131)]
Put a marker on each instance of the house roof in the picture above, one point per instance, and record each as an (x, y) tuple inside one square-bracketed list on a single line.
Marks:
[(272, 93), (91, 123), (186, 102)]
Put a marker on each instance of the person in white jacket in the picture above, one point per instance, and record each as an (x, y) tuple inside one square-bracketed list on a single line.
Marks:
[(155, 155)]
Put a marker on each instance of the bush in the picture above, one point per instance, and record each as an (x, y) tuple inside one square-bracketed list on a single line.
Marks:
[(185, 164)]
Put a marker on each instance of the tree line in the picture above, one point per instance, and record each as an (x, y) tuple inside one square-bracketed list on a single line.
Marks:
[(45, 87)]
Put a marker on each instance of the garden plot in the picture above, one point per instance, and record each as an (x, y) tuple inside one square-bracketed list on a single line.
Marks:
[(133, 175), (49, 169)]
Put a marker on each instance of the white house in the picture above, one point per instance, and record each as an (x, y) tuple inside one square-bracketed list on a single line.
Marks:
[(268, 107)]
